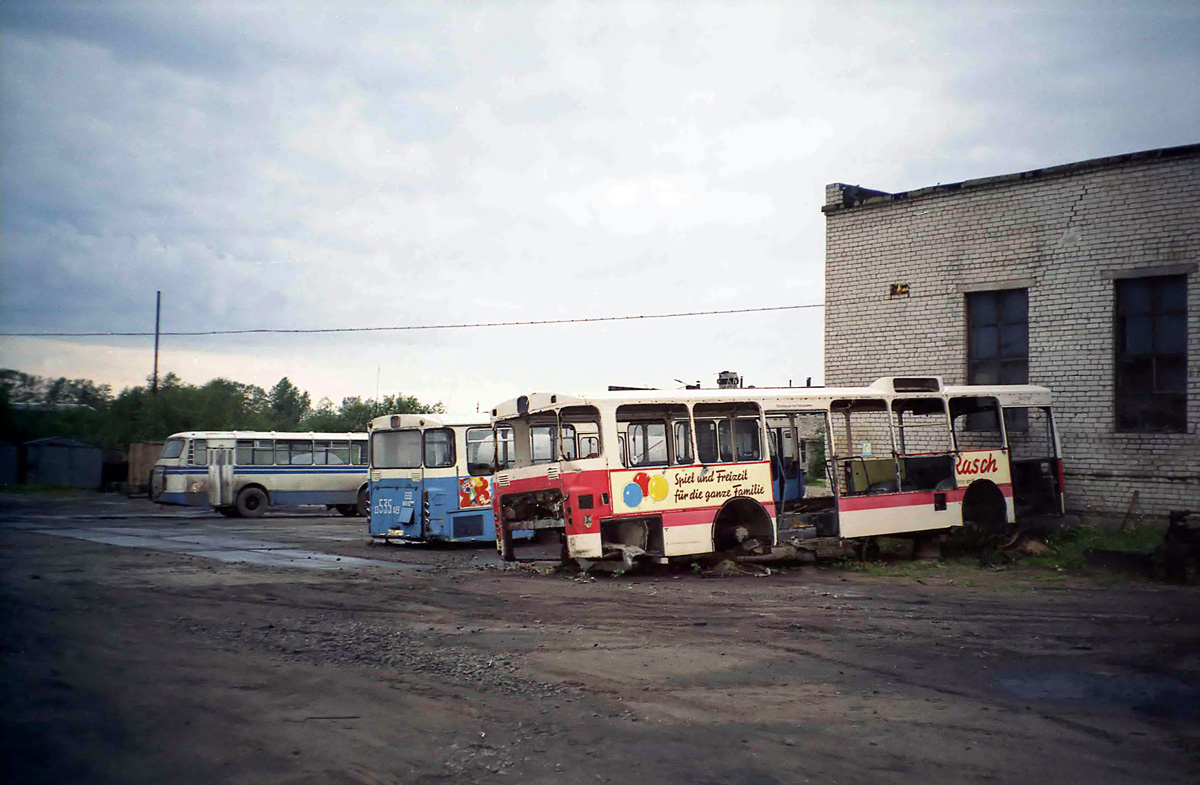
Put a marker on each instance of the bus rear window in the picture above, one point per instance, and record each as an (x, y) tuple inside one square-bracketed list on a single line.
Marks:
[(172, 449), (396, 449)]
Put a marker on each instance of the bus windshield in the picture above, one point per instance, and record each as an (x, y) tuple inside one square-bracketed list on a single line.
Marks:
[(172, 449), (396, 449)]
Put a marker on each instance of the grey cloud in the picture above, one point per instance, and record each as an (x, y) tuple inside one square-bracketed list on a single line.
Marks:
[(273, 165)]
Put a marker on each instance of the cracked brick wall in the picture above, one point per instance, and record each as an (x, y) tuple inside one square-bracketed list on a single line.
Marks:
[(1064, 234)]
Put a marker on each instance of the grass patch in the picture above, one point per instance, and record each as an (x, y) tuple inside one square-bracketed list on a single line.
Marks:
[(1068, 547), (968, 560)]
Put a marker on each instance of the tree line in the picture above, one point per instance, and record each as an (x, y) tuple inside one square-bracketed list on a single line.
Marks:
[(32, 407)]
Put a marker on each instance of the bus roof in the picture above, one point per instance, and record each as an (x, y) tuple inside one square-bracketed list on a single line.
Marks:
[(815, 398), (391, 422), (266, 435)]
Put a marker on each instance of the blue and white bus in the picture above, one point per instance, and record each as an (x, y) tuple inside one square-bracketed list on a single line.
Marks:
[(242, 473), (431, 477)]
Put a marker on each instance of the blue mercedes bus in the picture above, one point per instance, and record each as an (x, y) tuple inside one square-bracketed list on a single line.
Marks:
[(431, 477)]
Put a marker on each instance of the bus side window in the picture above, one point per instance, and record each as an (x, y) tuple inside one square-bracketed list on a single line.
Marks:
[(589, 446), (542, 443), (439, 448), (481, 451), (706, 441), (293, 453), (244, 454), (683, 441), (748, 444), (725, 439), (264, 452), (199, 452), (358, 453), (506, 446), (338, 454), (569, 452), (647, 444)]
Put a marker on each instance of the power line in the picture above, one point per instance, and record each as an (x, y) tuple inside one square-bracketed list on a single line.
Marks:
[(309, 331)]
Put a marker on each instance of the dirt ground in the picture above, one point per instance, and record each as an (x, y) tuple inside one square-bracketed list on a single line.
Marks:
[(143, 645)]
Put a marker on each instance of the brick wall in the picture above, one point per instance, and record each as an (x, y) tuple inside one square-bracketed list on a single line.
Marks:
[(1064, 234)]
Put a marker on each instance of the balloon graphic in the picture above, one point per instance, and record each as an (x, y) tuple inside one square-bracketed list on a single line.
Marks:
[(658, 487), (643, 482), (632, 495)]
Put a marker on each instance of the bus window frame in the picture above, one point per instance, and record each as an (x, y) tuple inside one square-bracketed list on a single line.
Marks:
[(336, 448), (168, 451), (631, 439), (291, 445), (452, 451), (552, 441), (476, 468), (726, 426), (420, 447), (194, 446), (563, 441)]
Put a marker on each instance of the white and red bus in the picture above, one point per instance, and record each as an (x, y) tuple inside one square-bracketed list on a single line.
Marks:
[(666, 473)]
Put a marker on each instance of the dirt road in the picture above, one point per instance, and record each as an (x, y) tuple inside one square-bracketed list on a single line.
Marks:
[(142, 647)]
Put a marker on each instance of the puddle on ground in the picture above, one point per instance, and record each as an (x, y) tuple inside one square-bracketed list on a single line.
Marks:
[(221, 547), (1153, 695)]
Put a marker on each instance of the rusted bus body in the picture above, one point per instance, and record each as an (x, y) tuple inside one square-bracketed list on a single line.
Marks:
[(677, 473)]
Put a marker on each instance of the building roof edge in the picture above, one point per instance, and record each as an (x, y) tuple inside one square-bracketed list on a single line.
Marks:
[(853, 196)]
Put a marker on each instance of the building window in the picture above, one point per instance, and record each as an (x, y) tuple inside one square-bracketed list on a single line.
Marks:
[(998, 337), (997, 348), (1151, 354)]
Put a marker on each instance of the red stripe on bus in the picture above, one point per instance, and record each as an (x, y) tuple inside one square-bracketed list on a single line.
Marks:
[(885, 501)]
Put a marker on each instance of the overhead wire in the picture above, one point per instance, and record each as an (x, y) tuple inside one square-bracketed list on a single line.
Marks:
[(409, 327)]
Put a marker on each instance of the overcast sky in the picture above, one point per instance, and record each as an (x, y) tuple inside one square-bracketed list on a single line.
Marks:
[(285, 165)]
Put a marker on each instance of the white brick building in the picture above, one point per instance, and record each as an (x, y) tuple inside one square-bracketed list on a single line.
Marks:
[(1081, 277)]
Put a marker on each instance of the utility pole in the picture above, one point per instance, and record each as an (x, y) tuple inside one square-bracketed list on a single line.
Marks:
[(157, 317)]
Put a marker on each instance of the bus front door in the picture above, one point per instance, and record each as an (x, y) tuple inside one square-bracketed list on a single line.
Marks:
[(397, 505), (220, 477)]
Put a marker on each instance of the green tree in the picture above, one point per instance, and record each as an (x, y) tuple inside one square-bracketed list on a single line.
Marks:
[(355, 413), (83, 410), (288, 405)]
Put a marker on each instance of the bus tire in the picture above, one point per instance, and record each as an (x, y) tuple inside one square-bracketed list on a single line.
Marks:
[(229, 512), (362, 508), (251, 503)]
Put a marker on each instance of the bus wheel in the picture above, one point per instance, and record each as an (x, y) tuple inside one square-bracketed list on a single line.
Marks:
[(251, 503), (362, 507), (229, 512)]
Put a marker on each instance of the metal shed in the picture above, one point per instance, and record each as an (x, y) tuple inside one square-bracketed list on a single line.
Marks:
[(56, 460)]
